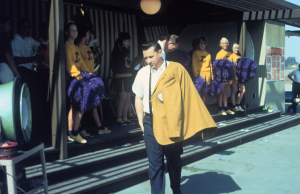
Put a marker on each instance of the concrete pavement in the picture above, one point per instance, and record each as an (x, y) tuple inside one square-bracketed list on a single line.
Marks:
[(269, 165)]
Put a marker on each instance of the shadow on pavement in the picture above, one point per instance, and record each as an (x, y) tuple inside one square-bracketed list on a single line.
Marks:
[(208, 183)]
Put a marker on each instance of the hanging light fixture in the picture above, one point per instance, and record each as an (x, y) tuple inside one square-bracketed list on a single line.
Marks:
[(150, 7)]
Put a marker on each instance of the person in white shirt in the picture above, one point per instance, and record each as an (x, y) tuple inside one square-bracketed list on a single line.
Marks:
[(168, 43), (23, 49), (8, 69), (156, 66), (295, 89)]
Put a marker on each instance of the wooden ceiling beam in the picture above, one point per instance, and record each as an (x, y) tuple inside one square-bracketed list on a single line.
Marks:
[(221, 5), (256, 4), (273, 15), (231, 5)]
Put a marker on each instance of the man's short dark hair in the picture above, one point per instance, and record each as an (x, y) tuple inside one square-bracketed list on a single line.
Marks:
[(4, 19), (203, 39), (163, 36), (150, 44)]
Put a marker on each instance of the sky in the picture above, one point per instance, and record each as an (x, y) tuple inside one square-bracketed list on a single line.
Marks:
[(291, 43)]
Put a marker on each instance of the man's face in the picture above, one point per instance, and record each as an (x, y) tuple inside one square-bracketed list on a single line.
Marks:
[(25, 28), (152, 58)]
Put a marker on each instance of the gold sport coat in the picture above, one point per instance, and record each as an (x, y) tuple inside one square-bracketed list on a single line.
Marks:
[(178, 111)]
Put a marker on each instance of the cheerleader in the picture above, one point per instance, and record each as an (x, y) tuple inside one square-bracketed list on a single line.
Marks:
[(201, 64), (222, 97), (85, 92), (122, 69), (234, 57), (88, 58)]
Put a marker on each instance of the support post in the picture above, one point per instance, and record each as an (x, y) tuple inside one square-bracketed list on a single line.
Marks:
[(242, 46), (57, 78)]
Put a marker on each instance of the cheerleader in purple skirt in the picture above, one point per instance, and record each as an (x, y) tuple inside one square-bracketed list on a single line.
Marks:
[(88, 58), (85, 90)]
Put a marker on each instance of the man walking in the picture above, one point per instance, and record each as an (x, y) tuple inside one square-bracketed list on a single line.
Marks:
[(295, 89), (169, 110)]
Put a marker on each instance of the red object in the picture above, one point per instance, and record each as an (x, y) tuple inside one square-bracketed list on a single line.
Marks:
[(8, 144)]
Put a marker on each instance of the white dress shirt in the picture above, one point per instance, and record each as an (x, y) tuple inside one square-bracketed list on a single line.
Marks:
[(296, 74), (141, 83), (163, 50), (24, 48)]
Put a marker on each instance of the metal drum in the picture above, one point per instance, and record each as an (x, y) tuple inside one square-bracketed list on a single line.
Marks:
[(15, 111)]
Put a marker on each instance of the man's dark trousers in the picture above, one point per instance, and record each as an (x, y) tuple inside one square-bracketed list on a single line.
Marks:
[(296, 93), (156, 154)]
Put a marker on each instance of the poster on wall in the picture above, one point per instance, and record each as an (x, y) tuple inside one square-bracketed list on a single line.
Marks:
[(275, 63)]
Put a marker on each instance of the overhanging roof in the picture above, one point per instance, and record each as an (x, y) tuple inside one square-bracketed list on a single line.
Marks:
[(278, 10), (292, 33)]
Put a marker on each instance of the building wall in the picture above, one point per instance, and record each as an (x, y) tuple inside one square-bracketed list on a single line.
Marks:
[(255, 89), (213, 32), (265, 33), (275, 91)]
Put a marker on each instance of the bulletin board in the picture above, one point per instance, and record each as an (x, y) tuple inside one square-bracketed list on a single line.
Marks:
[(275, 63)]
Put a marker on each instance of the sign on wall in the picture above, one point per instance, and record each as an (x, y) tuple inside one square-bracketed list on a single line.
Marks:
[(275, 63)]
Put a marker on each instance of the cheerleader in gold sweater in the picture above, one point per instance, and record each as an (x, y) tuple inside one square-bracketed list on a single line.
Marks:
[(222, 97), (234, 57), (201, 63), (85, 90), (88, 58), (74, 65)]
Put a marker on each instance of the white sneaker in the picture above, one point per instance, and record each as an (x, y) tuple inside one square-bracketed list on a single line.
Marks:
[(83, 133), (78, 138)]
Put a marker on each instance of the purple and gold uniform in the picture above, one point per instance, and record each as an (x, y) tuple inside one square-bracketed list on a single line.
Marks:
[(225, 55), (74, 63), (202, 66)]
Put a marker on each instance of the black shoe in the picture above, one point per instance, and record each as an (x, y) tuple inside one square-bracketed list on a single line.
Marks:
[(295, 110), (289, 108), (121, 123), (129, 122)]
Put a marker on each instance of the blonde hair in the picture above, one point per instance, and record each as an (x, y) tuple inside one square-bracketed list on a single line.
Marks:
[(235, 45), (223, 39)]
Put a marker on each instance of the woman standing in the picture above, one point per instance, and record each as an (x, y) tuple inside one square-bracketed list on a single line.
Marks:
[(234, 57), (222, 97), (85, 91), (121, 67), (201, 64), (88, 58)]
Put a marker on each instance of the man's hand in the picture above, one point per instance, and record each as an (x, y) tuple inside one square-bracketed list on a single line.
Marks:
[(139, 108)]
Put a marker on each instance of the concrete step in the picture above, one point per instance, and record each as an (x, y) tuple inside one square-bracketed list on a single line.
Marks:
[(105, 158), (118, 136), (126, 174), (129, 173)]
